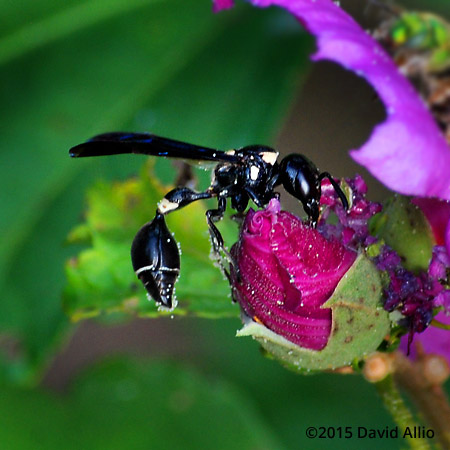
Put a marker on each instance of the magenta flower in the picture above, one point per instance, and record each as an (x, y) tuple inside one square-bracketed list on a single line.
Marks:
[(437, 213), (288, 270), (432, 340), (218, 5), (352, 226)]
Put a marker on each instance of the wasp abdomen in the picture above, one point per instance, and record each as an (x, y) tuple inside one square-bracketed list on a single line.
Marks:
[(156, 260)]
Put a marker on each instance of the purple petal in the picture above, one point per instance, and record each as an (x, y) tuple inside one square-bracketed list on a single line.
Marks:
[(447, 238), (432, 340), (437, 213), (439, 264), (407, 152), (218, 5), (443, 299)]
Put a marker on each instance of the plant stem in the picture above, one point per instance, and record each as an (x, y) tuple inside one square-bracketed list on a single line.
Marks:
[(399, 411), (429, 399), (437, 324)]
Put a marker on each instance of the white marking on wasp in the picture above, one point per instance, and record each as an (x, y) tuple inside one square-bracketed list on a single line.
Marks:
[(231, 152), (143, 269), (152, 267), (269, 157), (165, 206), (168, 269), (254, 172)]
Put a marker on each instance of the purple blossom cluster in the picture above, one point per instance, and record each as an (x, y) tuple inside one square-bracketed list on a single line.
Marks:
[(352, 228), (415, 296), (433, 294)]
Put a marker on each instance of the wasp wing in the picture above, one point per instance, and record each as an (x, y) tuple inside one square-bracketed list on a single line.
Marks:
[(118, 143)]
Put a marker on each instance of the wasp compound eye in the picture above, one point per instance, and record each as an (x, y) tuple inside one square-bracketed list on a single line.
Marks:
[(156, 260)]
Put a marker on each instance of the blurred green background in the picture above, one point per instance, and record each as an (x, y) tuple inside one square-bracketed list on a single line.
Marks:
[(69, 70)]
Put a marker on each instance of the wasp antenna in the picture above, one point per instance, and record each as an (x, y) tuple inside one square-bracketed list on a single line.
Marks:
[(336, 187)]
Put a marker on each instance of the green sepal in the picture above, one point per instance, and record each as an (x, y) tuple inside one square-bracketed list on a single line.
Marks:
[(101, 279), (404, 228), (359, 325)]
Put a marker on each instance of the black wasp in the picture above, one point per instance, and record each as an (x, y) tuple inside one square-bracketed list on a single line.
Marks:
[(248, 173)]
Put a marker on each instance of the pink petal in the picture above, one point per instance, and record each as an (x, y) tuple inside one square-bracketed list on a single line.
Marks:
[(437, 213), (218, 5), (407, 152), (447, 238), (432, 340)]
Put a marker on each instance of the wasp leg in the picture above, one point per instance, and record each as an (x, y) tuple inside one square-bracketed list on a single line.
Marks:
[(180, 197), (336, 187), (214, 215), (156, 260)]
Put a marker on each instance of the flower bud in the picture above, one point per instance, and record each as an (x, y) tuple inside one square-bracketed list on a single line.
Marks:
[(404, 228), (377, 367), (286, 286), (435, 369)]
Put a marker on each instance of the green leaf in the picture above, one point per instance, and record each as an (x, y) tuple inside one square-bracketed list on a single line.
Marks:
[(55, 25), (74, 69), (101, 279), (403, 226), (359, 324), (132, 405), (288, 402)]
